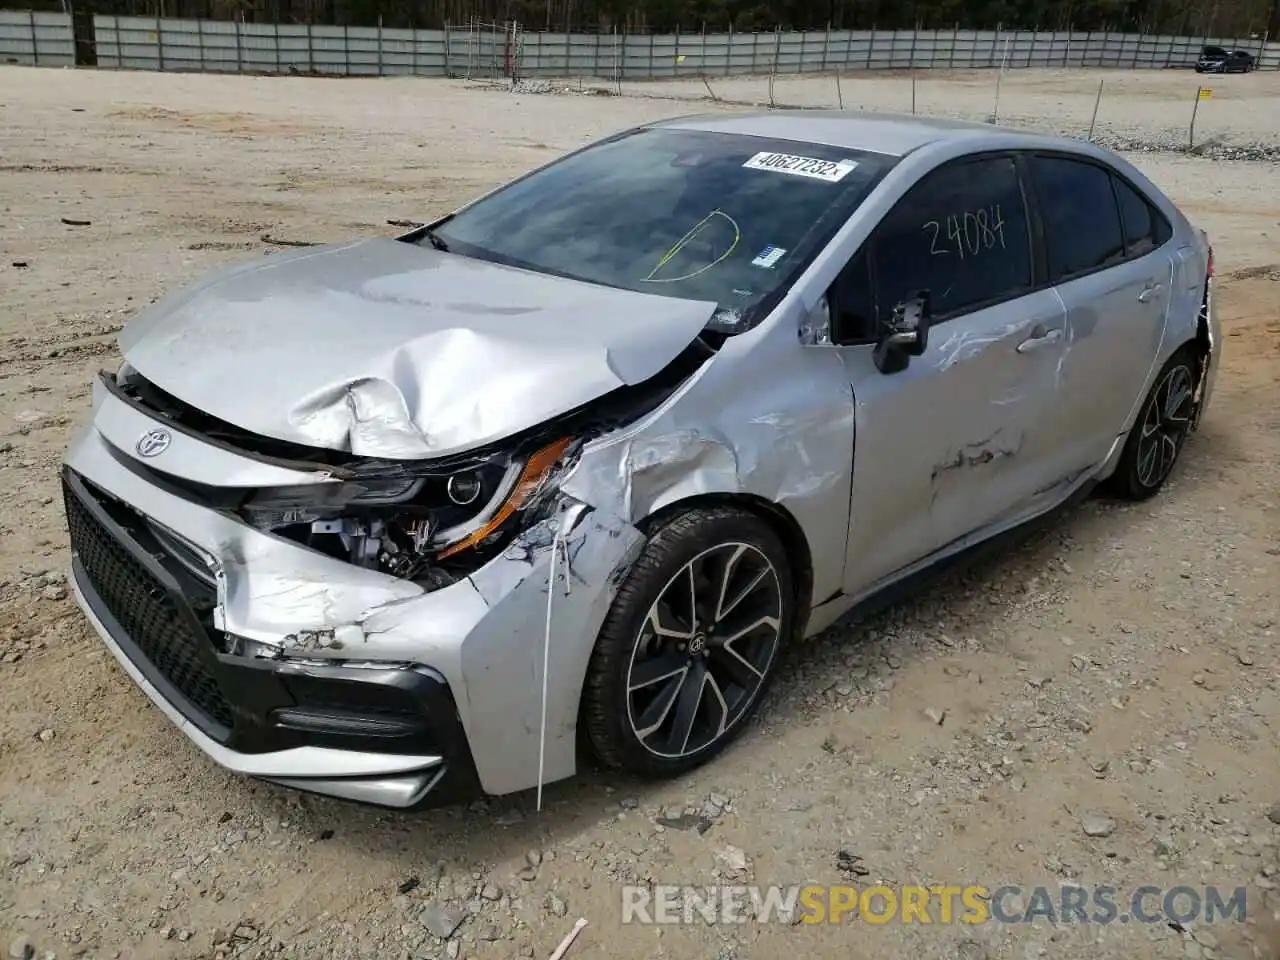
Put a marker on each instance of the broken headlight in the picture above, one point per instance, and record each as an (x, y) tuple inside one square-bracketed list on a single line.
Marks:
[(407, 519)]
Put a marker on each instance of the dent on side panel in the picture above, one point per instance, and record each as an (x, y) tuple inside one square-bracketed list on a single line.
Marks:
[(504, 617), (486, 635), (766, 417)]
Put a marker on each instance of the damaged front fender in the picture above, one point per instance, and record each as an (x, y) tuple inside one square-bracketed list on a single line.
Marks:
[(787, 441)]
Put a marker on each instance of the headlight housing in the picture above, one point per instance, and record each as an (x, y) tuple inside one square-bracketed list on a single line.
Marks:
[(406, 518)]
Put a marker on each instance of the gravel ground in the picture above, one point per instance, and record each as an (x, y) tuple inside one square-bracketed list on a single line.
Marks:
[(1108, 690)]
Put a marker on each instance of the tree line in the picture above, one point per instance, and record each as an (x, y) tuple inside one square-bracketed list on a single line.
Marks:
[(1232, 18)]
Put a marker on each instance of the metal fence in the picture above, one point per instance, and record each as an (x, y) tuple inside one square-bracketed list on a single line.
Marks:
[(503, 50), (44, 39)]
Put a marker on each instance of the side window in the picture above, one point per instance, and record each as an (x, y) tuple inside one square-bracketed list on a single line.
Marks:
[(1145, 228), (961, 233), (853, 310), (1081, 220)]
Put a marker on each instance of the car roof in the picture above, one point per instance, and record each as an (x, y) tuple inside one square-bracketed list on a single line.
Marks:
[(887, 133)]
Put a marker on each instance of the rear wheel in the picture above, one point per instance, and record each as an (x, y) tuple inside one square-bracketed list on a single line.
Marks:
[(690, 643), (1157, 437)]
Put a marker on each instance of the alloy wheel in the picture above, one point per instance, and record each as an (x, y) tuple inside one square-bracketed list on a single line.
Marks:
[(1164, 426), (704, 649)]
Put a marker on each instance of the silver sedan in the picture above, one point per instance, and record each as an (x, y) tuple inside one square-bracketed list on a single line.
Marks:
[(557, 476)]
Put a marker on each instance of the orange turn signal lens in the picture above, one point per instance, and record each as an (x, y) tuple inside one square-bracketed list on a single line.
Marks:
[(535, 470)]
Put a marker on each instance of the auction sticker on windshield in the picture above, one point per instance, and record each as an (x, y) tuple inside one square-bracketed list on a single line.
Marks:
[(831, 171)]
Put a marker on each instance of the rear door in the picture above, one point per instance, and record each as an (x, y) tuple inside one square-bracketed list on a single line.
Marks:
[(1106, 250)]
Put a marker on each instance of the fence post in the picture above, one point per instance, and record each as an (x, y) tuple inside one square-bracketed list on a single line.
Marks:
[(1191, 134), (676, 64), (239, 51), (995, 116), (617, 60), (159, 44), (35, 46), (380, 45), (568, 52), (955, 35), (871, 45), (826, 47), (773, 70), (1096, 103), (446, 49), (728, 52)]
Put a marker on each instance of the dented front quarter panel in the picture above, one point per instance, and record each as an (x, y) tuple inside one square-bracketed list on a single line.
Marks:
[(484, 634), (499, 615), (765, 418)]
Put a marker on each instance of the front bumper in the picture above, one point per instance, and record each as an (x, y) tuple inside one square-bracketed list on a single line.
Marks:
[(383, 691)]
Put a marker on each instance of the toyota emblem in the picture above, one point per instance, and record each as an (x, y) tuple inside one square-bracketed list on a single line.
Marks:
[(153, 443)]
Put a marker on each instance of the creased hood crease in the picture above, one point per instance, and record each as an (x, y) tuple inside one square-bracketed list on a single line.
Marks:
[(384, 348)]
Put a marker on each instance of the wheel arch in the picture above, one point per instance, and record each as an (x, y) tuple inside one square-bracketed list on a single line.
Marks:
[(777, 516)]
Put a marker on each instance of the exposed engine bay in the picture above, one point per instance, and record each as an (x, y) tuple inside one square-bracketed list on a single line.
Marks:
[(427, 523)]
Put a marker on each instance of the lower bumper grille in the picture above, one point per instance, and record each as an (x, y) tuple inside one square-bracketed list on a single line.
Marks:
[(155, 618)]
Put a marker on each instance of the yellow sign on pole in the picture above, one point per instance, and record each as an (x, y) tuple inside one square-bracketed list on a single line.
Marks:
[(1206, 93), (680, 59)]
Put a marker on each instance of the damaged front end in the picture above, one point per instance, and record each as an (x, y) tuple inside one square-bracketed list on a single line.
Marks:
[(348, 624), (431, 522)]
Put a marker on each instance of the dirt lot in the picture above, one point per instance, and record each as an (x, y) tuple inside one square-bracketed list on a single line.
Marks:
[(1118, 672)]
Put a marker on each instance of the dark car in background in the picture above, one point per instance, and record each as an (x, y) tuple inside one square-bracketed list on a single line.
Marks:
[(1218, 60)]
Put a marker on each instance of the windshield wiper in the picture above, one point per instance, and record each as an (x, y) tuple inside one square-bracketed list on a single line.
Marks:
[(436, 241)]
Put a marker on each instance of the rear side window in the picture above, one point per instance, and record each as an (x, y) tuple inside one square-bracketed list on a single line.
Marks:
[(1081, 219), (1135, 215), (961, 233), (1144, 227)]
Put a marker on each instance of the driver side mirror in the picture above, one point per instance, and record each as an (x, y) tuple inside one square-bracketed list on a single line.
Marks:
[(906, 335)]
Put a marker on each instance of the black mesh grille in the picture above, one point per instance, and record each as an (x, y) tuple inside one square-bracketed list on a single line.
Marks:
[(149, 614)]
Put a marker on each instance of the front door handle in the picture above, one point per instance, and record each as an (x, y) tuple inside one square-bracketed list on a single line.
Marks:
[(1149, 291), (1040, 337)]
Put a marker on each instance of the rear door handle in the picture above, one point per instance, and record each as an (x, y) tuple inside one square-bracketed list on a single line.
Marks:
[(1040, 337), (1149, 291)]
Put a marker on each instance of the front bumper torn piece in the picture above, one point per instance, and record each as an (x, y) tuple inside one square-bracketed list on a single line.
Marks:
[(288, 665)]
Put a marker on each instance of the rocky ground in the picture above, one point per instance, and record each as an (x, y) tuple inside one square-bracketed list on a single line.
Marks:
[(1099, 705)]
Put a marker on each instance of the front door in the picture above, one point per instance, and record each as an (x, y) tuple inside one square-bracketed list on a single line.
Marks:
[(956, 441)]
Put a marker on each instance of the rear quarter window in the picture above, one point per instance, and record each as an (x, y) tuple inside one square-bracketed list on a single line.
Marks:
[(1145, 227)]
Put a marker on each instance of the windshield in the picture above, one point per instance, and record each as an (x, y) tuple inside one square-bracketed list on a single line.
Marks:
[(1213, 52), (691, 214)]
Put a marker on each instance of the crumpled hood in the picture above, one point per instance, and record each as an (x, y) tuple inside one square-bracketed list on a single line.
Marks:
[(387, 349)]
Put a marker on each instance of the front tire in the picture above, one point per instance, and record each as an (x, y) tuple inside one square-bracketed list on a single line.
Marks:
[(689, 645), (1158, 435)]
